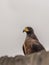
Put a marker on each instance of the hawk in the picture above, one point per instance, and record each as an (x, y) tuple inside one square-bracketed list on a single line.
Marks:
[(31, 44)]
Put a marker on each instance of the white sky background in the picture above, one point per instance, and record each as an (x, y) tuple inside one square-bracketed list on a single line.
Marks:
[(17, 14)]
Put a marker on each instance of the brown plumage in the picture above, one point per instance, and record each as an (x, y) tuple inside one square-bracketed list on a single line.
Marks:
[(31, 44)]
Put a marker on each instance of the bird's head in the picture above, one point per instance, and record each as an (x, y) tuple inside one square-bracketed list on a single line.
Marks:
[(28, 30)]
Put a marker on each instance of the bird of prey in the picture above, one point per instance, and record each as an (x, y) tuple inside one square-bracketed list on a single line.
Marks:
[(31, 44)]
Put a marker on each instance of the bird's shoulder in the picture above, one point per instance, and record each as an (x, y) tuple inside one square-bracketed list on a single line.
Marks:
[(31, 40)]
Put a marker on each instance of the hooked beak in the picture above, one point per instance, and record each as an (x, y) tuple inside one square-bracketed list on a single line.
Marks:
[(25, 30)]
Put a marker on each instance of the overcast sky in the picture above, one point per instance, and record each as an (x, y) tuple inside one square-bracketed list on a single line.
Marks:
[(17, 14)]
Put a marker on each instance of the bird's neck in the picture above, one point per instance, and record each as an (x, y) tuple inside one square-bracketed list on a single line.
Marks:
[(33, 36)]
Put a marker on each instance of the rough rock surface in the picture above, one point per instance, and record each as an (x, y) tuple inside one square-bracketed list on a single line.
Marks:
[(41, 58)]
